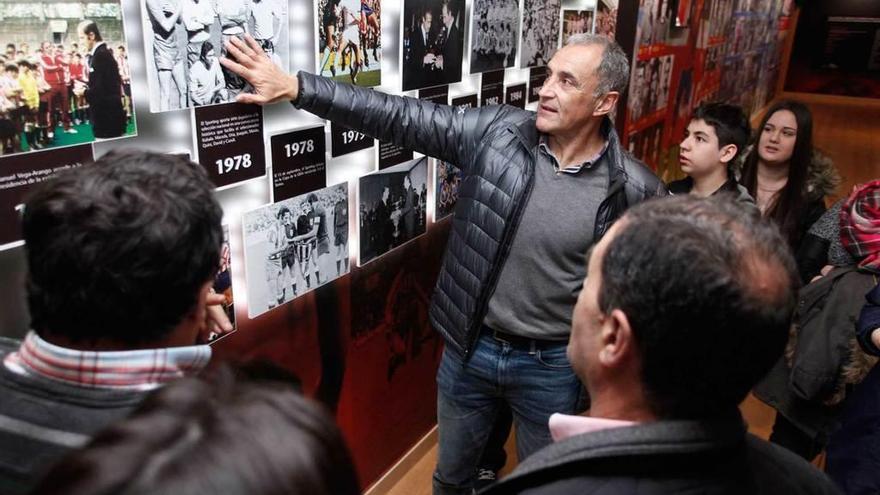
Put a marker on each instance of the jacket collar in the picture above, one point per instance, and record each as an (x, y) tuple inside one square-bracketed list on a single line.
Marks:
[(527, 132), (685, 186), (656, 438)]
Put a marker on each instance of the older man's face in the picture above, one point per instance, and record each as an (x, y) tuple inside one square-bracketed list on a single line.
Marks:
[(566, 100)]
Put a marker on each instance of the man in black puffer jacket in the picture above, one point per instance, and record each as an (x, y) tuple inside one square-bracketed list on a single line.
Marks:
[(686, 305), (537, 191)]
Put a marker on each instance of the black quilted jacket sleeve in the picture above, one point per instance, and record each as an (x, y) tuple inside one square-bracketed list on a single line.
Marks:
[(445, 132)]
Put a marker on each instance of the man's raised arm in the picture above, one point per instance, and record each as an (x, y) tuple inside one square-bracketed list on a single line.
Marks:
[(435, 130)]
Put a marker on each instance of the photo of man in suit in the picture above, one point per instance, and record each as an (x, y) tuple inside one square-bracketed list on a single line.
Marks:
[(432, 43), (104, 92), (450, 41)]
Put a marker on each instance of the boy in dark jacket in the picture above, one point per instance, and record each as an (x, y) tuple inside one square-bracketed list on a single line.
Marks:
[(716, 135)]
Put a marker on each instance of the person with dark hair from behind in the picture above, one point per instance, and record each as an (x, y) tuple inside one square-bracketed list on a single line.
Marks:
[(686, 305), (214, 434), (121, 256), (716, 135), (787, 177)]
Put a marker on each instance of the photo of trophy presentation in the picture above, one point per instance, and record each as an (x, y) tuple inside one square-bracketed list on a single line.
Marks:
[(65, 76), (432, 42)]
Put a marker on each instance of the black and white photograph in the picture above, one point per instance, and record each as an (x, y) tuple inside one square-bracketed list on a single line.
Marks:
[(654, 19), (494, 34), (391, 207), (185, 39), (718, 15), (649, 86), (65, 78), (294, 246), (349, 41), (432, 42), (540, 32), (637, 101), (446, 182), (575, 21), (661, 91)]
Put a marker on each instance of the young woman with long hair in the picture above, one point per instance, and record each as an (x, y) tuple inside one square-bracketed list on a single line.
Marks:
[(784, 174)]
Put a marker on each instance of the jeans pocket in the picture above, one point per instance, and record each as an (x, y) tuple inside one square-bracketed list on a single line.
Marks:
[(553, 358)]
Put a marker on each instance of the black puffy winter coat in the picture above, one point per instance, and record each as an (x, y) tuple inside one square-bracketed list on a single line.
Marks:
[(495, 147), (706, 457)]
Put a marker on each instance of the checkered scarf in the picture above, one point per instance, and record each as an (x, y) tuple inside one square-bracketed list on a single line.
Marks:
[(860, 225)]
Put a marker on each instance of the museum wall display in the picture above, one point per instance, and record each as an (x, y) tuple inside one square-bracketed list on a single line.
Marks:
[(688, 52)]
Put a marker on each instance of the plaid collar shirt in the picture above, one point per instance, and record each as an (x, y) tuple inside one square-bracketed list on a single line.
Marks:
[(143, 369)]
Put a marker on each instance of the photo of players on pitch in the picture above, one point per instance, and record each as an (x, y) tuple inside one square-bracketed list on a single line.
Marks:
[(391, 208), (185, 39), (64, 75), (294, 246), (576, 22), (433, 42), (494, 34), (350, 41), (540, 32)]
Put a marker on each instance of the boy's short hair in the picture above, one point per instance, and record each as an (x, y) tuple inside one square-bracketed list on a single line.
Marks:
[(729, 121)]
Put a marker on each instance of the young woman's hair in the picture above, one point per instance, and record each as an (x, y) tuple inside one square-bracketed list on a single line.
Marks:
[(790, 202), (217, 434)]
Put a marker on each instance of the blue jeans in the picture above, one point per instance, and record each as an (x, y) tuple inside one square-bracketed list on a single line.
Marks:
[(534, 382)]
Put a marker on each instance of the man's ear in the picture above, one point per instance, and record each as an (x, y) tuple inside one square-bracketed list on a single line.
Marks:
[(200, 310), (728, 153), (606, 104), (618, 341)]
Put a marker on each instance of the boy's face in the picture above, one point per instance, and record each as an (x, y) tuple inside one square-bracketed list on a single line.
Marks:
[(699, 153)]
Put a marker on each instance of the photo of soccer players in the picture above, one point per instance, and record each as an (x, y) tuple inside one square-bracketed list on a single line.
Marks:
[(432, 42), (494, 34), (184, 40), (391, 208), (294, 246), (649, 86), (540, 32), (349, 41), (576, 21), (64, 75)]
